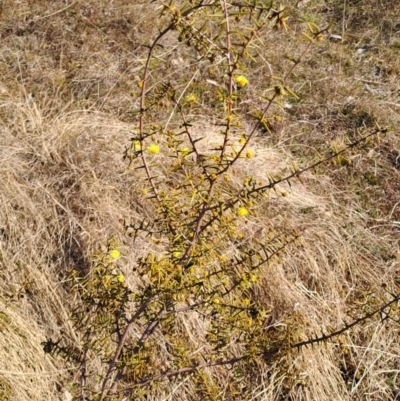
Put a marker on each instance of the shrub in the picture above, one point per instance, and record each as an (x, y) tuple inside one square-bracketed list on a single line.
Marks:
[(195, 317)]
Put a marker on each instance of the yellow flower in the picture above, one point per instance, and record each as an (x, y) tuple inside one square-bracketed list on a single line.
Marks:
[(176, 254), (191, 98), (120, 277), (241, 81), (153, 149), (137, 146), (249, 153), (114, 253), (242, 211)]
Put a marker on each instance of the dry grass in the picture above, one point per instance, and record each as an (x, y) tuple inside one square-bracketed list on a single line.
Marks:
[(65, 188)]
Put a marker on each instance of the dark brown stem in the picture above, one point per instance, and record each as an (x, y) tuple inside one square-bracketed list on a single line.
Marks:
[(297, 173), (231, 69), (266, 108), (121, 344), (326, 337), (188, 369), (143, 92), (313, 166), (323, 338)]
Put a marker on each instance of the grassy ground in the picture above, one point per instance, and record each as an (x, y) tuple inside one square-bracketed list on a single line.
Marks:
[(68, 74)]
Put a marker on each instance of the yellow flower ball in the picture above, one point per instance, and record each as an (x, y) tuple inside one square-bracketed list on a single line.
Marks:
[(121, 278), (249, 153), (191, 98), (114, 253), (241, 81), (242, 211), (153, 149)]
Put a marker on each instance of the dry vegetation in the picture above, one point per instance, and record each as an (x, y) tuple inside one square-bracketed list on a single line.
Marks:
[(65, 189)]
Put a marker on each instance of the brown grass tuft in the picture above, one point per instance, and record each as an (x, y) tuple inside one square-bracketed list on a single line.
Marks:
[(65, 190)]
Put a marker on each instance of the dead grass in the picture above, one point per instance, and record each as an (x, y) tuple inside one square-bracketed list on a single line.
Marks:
[(65, 188)]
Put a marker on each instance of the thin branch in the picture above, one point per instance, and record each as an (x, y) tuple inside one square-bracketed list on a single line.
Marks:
[(235, 199), (326, 337), (146, 73), (231, 69), (186, 370), (316, 164), (323, 338), (121, 344)]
